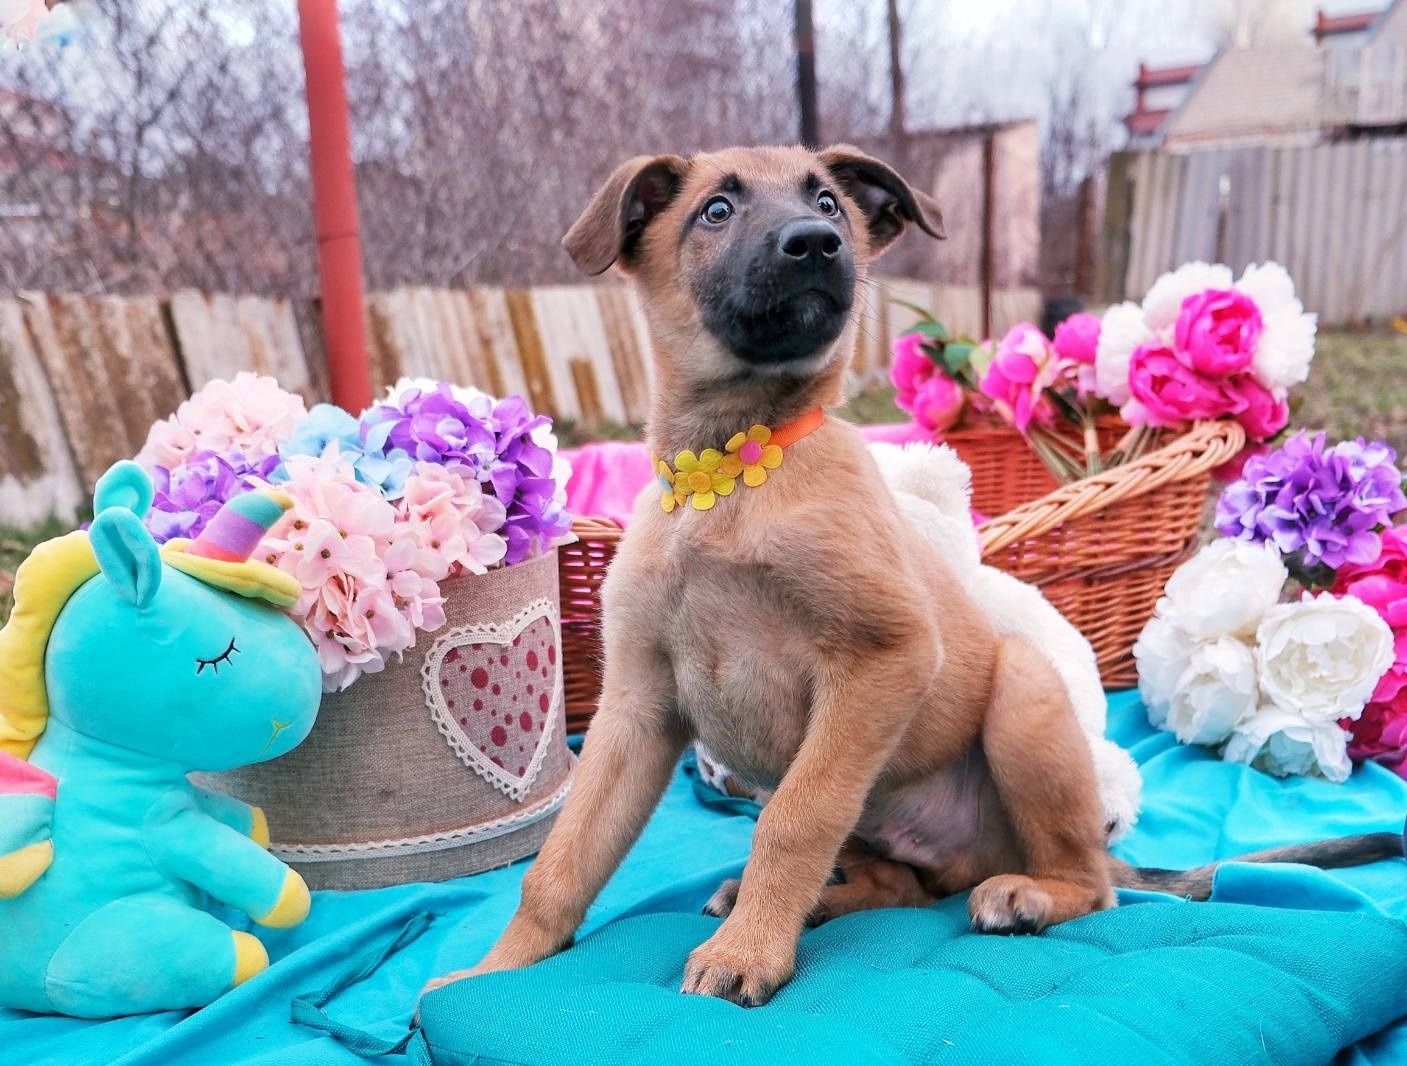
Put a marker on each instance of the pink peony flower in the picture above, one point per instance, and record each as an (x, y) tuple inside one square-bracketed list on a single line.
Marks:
[(1217, 331), (1023, 368), (1164, 391), (910, 369), (249, 414), (1259, 410), (938, 403), (1077, 339), (1382, 585), (1380, 734)]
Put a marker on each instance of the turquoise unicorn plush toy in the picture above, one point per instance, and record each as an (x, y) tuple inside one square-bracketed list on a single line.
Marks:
[(123, 667)]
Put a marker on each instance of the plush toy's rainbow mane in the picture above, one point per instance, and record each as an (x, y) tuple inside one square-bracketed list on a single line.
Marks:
[(56, 569), (43, 585)]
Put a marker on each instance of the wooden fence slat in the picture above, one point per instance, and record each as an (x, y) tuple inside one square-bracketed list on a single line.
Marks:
[(275, 348), (499, 343), (569, 322), (87, 400), (38, 477), (628, 355), (541, 389)]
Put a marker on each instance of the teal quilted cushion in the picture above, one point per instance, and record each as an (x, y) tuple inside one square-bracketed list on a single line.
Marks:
[(1159, 981)]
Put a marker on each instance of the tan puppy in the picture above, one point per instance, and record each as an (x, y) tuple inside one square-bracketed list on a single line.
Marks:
[(800, 628)]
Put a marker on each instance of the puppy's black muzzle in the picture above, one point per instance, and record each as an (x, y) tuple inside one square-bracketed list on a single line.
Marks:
[(789, 299)]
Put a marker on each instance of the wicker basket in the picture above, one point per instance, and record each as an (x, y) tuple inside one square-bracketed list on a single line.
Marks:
[(1102, 548), (581, 568), (1006, 472)]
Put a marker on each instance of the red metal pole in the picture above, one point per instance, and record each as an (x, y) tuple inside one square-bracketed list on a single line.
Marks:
[(335, 206)]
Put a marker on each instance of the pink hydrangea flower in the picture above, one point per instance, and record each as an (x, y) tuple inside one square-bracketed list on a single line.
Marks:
[(367, 586), (1024, 366), (249, 414), (1217, 331), (452, 520)]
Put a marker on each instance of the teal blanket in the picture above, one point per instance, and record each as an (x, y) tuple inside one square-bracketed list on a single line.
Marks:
[(1316, 967)]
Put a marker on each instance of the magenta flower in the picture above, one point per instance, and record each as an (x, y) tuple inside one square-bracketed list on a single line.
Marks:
[(1023, 368), (1217, 331)]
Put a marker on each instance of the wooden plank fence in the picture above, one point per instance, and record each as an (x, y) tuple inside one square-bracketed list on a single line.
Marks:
[(1335, 215), (82, 378)]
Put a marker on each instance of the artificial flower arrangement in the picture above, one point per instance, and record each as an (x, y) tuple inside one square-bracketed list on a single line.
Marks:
[(431, 482), (1200, 346), (1304, 683)]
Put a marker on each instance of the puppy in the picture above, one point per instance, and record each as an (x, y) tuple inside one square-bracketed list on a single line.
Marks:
[(800, 627)]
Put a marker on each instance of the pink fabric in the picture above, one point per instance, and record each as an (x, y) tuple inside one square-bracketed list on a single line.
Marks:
[(19, 778), (607, 476)]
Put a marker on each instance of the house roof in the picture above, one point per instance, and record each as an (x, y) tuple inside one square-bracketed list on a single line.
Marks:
[(1249, 91), (1331, 25)]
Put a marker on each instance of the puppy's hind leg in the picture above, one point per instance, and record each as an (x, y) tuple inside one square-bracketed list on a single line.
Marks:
[(1044, 774)]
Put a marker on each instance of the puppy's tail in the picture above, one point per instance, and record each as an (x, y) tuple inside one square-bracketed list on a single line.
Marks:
[(1325, 854)]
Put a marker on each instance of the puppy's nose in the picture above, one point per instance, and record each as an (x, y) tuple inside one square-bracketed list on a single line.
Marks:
[(811, 240)]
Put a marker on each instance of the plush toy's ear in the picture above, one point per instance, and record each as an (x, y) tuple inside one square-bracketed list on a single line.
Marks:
[(124, 485), (127, 554), (887, 200)]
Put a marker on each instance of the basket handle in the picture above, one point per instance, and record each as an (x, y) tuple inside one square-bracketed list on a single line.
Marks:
[(1204, 447)]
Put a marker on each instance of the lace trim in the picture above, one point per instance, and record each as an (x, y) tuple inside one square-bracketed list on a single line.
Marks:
[(510, 785), (443, 841)]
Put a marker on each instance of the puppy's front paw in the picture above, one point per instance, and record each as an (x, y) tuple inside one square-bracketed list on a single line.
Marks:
[(738, 969), (1009, 903)]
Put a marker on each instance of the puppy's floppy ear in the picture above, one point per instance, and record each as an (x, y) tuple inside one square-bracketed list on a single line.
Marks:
[(612, 223), (886, 199)]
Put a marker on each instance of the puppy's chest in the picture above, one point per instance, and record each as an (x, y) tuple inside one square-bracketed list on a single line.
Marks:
[(743, 661)]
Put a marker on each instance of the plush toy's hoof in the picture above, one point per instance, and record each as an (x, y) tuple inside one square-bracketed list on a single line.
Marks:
[(292, 906), (259, 831), (250, 957)]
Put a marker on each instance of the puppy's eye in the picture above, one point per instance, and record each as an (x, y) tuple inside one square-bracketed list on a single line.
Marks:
[(717, 211), (825, 203)]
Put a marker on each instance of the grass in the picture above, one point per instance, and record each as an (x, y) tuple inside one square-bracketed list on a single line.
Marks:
[(1358, 388)]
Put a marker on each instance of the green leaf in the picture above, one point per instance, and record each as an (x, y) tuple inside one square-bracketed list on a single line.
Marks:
[(923, 314), (956, 355), (931, 329)]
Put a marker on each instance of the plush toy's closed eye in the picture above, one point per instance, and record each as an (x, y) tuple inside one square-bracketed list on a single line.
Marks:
[(225, 656)]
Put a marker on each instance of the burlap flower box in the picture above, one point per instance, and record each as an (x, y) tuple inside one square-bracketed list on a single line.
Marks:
[(450, 762)]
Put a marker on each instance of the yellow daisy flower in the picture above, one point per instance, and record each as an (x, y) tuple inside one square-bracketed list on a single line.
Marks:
[(702, 477), (750, 455), (672, 494)]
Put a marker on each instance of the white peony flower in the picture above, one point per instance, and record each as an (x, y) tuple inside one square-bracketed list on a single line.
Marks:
[(1322, 657), (1121, 330), (1163, 303), (1226, 588), (1162, 652), (1286, 346), (1215, 693), (1283, 743)]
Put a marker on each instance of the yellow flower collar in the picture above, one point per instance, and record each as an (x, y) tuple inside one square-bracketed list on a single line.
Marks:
[(702, 478)]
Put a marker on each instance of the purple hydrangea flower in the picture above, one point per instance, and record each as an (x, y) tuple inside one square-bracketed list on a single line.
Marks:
[(187, 497), (494, 440), (431, 426), (1328, 504)]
